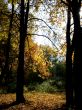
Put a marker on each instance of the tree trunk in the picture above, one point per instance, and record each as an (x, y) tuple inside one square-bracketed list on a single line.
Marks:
[(77, 69), (5, 71), (20, 71), (69, 81)]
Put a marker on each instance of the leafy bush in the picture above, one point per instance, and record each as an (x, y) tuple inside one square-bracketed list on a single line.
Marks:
[(33, 78), (60, 70), (32, 86), (46, 87)]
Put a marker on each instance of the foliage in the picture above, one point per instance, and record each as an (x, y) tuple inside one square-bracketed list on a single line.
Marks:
[(33, 78), (47, 86), (4, 20), (38, 59), (11, 87), (34, 101), (35, 60), (60, 70)]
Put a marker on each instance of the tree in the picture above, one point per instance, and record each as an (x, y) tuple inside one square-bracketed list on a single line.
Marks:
[(5, 70), (74, 7), (69, 75), (8, 46), (35, 60), (23, 34)]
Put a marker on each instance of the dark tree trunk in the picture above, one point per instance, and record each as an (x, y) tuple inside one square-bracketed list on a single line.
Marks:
[(5, 71), (69, 81), (77, 69), (20, 71)]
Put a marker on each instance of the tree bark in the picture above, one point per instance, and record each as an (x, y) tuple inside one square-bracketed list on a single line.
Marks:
[(20, 71), (77, 69), (23, 33), (69, 81), (5, 71)]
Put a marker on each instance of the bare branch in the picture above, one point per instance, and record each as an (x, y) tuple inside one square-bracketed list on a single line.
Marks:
[(44, 22), (45, 37)]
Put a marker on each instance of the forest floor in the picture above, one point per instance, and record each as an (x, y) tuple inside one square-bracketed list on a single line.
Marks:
[(34, 101)]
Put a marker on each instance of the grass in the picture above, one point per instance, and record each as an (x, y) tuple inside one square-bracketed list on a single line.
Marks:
[(34, 101)]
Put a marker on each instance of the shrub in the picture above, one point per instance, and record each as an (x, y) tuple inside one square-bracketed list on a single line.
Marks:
[(32, 86), (33, 78), (46, 87)]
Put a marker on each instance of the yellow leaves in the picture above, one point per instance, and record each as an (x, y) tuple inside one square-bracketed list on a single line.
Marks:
[(47, 101), (35, 101), (35, 59), (8, 98), (63, 50)]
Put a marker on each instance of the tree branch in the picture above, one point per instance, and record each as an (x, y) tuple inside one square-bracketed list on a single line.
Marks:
[(45, 37), (44, 22)]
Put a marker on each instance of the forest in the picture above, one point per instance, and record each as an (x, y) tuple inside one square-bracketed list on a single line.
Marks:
[(40, 54)]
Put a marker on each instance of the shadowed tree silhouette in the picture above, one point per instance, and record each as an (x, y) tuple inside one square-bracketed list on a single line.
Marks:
[(69, 76), (23, 34)]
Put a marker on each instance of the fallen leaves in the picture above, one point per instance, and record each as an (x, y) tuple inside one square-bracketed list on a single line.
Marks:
[(34, 101)]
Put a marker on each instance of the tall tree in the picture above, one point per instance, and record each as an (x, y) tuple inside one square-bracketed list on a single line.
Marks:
[(76, 5), (23, 34), (69, 80), (8, 45)]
